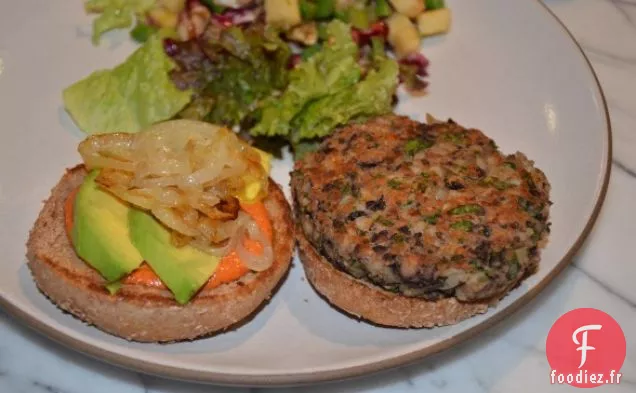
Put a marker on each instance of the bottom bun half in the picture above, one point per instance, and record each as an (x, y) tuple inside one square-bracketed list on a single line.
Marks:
[(374, 304), (141, 313)]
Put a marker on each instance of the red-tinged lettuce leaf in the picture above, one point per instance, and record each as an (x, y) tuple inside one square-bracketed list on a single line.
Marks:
[(231, 70)]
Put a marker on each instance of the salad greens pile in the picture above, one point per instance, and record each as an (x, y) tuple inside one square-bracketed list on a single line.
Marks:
[(242, 75)]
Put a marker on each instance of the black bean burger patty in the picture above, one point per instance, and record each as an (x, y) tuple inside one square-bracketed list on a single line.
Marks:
[(429, 211)]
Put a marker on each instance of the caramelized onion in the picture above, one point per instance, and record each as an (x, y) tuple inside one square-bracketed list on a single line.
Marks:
[(188, 174), (253, 261)]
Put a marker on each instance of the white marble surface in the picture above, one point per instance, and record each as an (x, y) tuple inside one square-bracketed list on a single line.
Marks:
[(509, 357)]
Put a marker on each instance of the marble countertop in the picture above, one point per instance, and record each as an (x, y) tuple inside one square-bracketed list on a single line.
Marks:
[(509, 357)]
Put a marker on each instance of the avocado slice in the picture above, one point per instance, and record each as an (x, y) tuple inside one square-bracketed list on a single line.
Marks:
[(183, 270), (100, 233)]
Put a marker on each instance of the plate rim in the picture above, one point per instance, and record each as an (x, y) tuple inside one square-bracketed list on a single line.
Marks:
[(305, 378)]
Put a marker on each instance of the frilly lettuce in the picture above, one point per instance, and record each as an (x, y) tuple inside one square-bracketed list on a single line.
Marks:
[(129, 97), (327, 91), (329, 71), (372, 96)]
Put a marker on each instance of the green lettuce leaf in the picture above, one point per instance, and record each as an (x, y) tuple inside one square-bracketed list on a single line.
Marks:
[(129, 97), (114, 14), (372, 96), (329, 71)]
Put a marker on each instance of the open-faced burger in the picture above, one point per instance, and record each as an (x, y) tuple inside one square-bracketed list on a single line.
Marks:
[(168, 234), (417, 225)]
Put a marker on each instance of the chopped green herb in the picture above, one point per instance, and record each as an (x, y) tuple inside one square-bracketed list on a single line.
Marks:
[(468, 209), (394, 184), (463, 225), (456, 138), (432, 219), (398, 237), (498, 184), (346, 189), (413, 146), (384, 221), (524, 204), (422, 186), (502, 185), (476, 265), (425, 175), (510, 165), (493, 144)]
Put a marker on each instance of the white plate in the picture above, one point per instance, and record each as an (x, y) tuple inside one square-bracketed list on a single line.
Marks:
[(508, 68)]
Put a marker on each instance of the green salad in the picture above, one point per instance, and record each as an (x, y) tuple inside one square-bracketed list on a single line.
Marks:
[(293, 70)]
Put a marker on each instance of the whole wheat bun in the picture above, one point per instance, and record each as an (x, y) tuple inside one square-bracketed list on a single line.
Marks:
[(372, 303), (140, 313)]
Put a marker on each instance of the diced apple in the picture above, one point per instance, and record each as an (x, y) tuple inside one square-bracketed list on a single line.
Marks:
[(403, 36), (306, 34), (282, 13), (173, 5), (161, 17), (410, 8), (434, 22)]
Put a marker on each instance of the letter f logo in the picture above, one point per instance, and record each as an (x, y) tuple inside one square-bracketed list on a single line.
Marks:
[(583, 344)]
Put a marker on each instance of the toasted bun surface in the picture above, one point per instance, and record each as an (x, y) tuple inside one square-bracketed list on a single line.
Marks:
[(374, 304), (140, 313)]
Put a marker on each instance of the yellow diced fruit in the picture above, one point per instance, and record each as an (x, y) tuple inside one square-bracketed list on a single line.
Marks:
[(410, 8), (282, 13), (306, 33), (173, 5), (163, 18), (434, 22), (403, 35)]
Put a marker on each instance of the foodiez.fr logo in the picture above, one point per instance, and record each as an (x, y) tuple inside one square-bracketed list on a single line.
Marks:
[(586, 348)]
